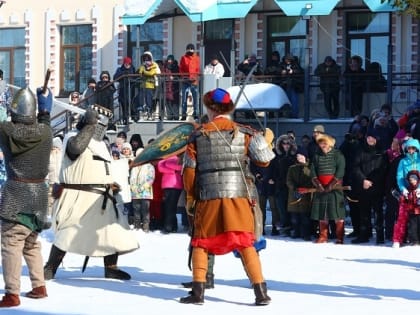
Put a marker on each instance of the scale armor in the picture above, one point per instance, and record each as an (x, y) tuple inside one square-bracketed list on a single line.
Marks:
[(221, 167)]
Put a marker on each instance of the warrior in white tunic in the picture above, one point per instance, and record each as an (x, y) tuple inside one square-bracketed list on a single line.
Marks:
[(86, 219)]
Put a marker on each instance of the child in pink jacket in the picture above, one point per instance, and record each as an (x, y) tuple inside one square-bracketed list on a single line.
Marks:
[(172, 187)]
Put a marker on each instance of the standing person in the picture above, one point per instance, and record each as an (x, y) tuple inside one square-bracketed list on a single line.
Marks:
[(273, 67), (329, 73), (105, 90), (355, 85), (149, 71), (23, 140), (141, 184), (86, 220), (172, 187), (409, 212), (5, 97), (369, 169), (89, 94), (214, 67), (285, 157), (216, 183), (410, 162), (327, 171), (292, 81), (299, 176), (136, 142), (125, 89), (189, 66), (171, 70)]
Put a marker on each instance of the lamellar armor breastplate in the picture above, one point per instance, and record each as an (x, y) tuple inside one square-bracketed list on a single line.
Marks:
[(220, 165)]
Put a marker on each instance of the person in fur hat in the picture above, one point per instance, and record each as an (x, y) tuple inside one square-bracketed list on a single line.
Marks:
[(327, 171), (215, 174)]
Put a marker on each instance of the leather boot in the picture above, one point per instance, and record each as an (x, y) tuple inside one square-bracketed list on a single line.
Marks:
[(196, 295), (37, 293), (261, 297), (339, 231), (323, 232), (54, 260), (111, 269), (10, 300)]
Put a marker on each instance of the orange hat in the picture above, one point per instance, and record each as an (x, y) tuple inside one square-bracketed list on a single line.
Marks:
[(219, 101)]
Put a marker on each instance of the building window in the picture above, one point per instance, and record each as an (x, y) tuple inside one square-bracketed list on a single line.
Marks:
[(218, 42), (286, 34), (12, 53), (76, 58), (150, 39), (368, 36)]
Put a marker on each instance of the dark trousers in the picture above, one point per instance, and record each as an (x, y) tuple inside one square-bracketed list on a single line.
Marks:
[(413, 230), (391, 215), (331, 102), (169, 202), (369, 204), (302, 226)]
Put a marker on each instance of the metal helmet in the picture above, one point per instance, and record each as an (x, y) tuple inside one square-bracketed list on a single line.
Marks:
[(103, 119), (23, 107)]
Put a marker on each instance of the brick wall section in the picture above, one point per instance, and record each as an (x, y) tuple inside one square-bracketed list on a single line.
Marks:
[(237, 37), (341, 53), (414, 44), (120, 42), (165, 38), (54, 61), (260, 37), (94, 48)]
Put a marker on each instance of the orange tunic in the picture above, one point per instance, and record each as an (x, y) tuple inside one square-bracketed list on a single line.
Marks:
[(224, 224)]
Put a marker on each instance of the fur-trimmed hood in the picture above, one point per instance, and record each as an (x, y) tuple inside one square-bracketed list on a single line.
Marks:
[(279, 149)]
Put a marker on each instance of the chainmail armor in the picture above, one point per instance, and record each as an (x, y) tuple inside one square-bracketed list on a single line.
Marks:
[(220, 166), (25, 190), (77, 144)]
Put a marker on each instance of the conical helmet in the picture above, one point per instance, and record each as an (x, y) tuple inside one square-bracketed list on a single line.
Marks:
[(23, 107)]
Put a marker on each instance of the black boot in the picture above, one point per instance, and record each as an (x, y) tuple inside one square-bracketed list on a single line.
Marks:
[(196, 294), (54, 260), (380, 237), (209, 282), (261, 297), (111, 269)]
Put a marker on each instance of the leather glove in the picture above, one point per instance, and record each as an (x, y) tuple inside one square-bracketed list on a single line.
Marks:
[(318, 185), (90, 117), (44, 101), (331, 185), (405, 193)]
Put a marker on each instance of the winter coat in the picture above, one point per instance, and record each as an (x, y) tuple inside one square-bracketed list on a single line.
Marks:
[(282, 162), (171, 173), (329, 76), (190, 65), (263, 177), (371, 164), (149, 73), (124, 86), (408, 163), (171, 83), (328, 206), (299, 175), (218, 70), (105, 92), (141, 181)]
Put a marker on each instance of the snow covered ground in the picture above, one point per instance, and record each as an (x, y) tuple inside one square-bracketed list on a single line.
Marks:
[(302, 277)]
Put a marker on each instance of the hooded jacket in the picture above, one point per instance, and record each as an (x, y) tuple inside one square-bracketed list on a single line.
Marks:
[(149, 70), (408, 162)]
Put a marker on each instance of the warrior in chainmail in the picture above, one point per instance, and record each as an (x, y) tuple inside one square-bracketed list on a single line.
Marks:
[(26, 143), (215, 179), (86, 219)]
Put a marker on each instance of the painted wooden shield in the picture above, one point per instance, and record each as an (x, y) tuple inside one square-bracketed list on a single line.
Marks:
[(169, 143)]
